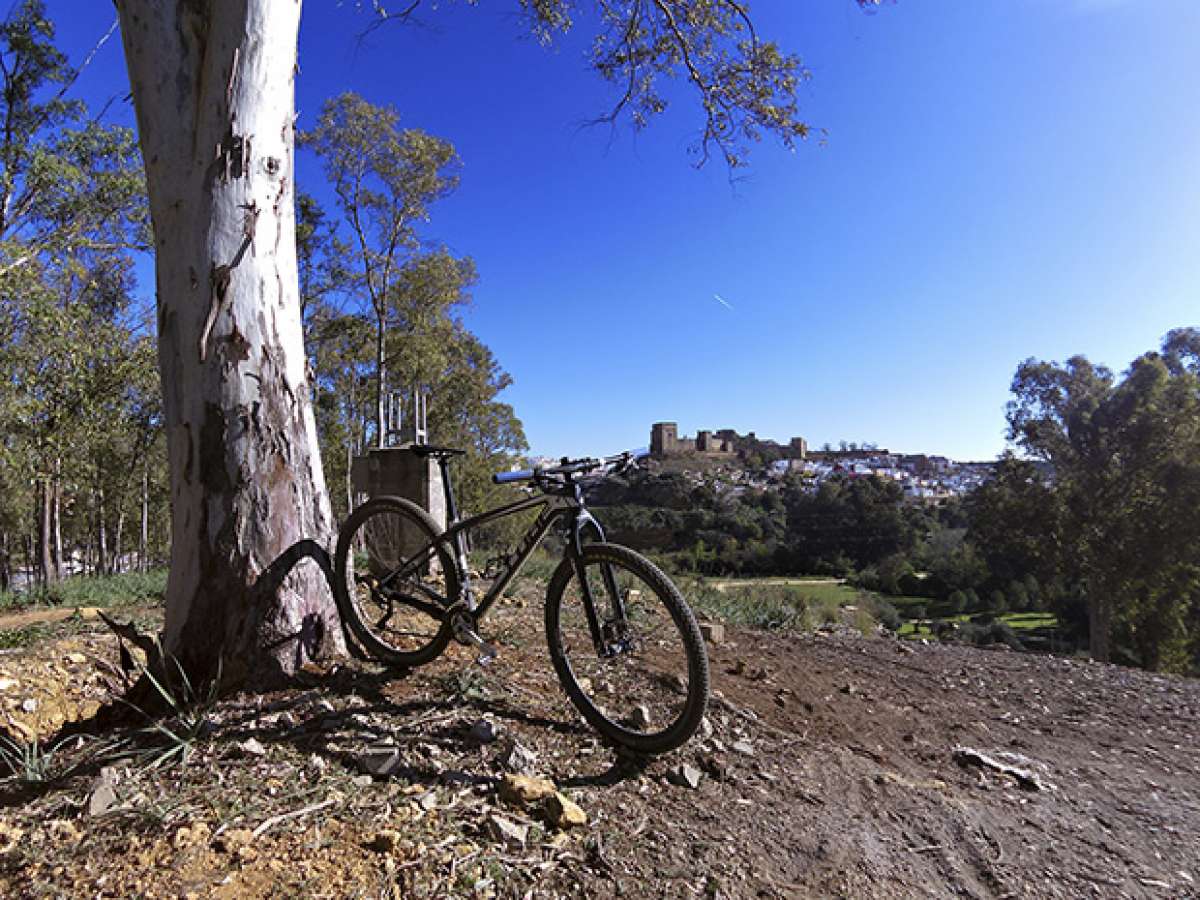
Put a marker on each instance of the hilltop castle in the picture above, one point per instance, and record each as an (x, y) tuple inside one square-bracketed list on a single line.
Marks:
[(665, 441)]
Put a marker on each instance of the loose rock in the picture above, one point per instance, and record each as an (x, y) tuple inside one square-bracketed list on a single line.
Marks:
[(190, 835), (10, 837), (520, 759), (563, 813), (505, 832), (380, 760), (253, 746), (685, 776), (103, 796), (640, 718), (521, 790)]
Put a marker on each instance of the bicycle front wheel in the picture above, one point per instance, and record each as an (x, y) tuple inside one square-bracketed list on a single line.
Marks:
[(394, 581), (636, 669)]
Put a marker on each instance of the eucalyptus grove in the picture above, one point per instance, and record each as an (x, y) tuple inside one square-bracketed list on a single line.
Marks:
[(78, 397)]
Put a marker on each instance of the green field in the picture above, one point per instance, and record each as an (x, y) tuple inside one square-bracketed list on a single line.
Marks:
[(805, 603), (1018, 622)]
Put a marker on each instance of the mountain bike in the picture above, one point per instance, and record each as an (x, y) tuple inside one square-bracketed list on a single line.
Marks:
[(623, 642)]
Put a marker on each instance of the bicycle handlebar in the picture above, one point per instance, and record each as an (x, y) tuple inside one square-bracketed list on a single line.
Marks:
[(509, 477), (573, 466)]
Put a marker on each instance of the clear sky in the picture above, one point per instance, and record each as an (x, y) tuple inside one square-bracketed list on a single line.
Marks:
[(1001, 179)]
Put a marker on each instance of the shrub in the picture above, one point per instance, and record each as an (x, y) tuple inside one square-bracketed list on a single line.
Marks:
[(972, 600), (997, 602), (885, 613), (759, 606), (1018, 597), (956, 603), (994, 632)]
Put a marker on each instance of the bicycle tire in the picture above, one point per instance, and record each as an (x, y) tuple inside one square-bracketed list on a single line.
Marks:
[(386, 528), (662, 648)]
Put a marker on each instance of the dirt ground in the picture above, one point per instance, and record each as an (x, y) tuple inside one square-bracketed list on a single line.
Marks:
[(835, 766)]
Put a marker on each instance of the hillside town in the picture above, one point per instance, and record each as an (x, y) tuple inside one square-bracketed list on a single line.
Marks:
[(735, 463), (924, 479), (762, 462)]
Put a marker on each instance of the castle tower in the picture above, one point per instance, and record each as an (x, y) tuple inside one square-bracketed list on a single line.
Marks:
[(663, 437)]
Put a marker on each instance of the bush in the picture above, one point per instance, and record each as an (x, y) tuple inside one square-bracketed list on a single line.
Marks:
[(885, 613), (994, 632), (972, 598), (893, 570), (1018, 597), (867, 579), (956, 603), (759, 606), (997, 602)]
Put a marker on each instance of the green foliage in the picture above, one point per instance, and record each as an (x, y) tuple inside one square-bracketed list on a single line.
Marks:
[(884, 612), (28, 636), (1118, 545), (31, 763), (746, 85), (984, 634), (79, 394), (189, 719), (771, 606), (124, 589), (382, 307), (957, 602)]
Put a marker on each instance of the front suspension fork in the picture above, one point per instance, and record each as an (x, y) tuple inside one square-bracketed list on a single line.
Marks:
[(616, 603)]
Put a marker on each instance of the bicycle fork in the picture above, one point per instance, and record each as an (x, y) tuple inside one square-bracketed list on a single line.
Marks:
[(608, 637)]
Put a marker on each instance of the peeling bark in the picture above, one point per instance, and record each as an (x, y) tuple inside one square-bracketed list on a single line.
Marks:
[(213, 87)]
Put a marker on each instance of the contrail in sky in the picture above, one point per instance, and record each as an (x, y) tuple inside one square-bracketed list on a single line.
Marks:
[(722, 301)]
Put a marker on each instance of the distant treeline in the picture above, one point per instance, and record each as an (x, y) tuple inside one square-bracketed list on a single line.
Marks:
[(1108, 544)]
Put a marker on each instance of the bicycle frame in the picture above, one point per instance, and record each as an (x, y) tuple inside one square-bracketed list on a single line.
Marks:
[(555, 507)]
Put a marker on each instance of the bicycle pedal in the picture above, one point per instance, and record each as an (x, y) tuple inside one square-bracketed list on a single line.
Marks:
[(469, 637), (487, 654)]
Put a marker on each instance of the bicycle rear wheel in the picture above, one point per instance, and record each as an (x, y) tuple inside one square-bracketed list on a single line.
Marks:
[(394, 582), (646, 686)]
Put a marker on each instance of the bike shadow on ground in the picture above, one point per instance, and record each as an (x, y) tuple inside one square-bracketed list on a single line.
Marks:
[(377, 718), (349, 714)]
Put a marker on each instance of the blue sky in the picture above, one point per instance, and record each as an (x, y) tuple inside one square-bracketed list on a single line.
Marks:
[(1001, 179)]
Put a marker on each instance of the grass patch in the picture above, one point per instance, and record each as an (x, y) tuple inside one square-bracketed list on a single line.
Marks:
[(779, 604), (15, 638), (126, 589), (1017, 622), (765, 606)]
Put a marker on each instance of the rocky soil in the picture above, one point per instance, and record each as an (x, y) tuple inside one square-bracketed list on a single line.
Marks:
[(832, 765)]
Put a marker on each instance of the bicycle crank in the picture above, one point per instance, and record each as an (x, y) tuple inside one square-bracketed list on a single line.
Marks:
[(463, 624)]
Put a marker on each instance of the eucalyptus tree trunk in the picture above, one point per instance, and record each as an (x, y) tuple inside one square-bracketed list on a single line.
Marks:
[(47, 568), (60, 559), (213, 87), (5, 571), (144, 535), (117, 567), (101, 535)]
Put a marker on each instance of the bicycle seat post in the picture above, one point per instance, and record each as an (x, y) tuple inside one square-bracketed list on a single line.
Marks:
[(460, 542)]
